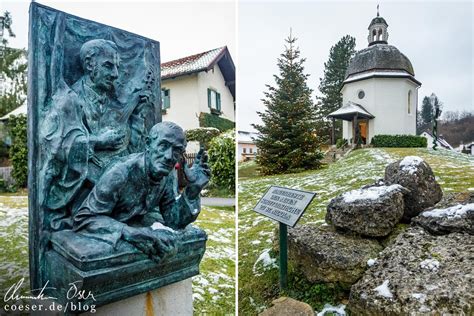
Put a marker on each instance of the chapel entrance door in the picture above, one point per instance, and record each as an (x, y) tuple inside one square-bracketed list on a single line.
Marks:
[(363, 130)]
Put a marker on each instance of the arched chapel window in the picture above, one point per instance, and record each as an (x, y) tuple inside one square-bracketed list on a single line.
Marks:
[(409, 102)]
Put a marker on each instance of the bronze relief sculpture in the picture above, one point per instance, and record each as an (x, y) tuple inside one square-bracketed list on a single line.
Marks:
[(105, 214)]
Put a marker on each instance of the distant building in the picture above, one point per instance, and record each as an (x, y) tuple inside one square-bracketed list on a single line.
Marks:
[(466, 148), (441, 141), (199, 84), (247, 150), (380, 92)]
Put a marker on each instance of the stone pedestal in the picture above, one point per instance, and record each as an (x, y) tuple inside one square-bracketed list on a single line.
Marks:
[(173, 299)]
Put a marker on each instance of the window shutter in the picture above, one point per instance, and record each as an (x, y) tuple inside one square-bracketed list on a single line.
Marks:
[(162, 99), (218, 101), (209, 98), (167, 99)]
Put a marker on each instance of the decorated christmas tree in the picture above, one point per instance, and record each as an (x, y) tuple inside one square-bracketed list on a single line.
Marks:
[(287, 140)]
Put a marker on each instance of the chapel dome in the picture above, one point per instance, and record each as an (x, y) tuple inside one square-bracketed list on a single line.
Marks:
[(379, 57)]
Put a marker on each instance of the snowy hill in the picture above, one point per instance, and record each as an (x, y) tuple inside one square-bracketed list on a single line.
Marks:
[(453, 171)]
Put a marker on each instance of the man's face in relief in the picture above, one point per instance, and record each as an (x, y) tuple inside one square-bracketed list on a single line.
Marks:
[(165, 151), (104, 69)]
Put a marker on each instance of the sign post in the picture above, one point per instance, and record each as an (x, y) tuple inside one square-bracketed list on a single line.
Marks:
[(283, 256), (286, 206)]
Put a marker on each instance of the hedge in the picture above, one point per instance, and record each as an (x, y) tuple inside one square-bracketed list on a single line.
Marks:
[(212, 120), (222, 160), (203, 135), (399, 141), (19, 149)]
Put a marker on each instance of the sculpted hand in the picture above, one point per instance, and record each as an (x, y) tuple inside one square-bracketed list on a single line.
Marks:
[(198, 175), (142, 238), (165, 243), (157, 244), (110, 139)]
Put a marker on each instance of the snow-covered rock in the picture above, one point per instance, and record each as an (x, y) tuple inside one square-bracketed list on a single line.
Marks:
[(440, 221), (416, 175), (323, 255), (371, 211), (419, 274)]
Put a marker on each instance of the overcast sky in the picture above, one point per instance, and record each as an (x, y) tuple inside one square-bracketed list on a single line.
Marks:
[(437, 37), (182, 28)]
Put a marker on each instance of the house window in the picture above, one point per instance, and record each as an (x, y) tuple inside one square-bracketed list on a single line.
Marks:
[(214, 100), (165, 99), (409, 102), (245, 150), (251, 150)]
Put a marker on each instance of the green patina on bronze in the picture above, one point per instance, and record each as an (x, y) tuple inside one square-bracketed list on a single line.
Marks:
[(104, 209)]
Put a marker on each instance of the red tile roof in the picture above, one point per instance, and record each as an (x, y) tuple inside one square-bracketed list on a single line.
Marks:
[(191, 64)]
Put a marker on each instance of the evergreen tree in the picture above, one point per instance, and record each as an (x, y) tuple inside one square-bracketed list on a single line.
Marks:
[(425, 117), (13, 74), (427, 111), (330, 86), (287, 139)]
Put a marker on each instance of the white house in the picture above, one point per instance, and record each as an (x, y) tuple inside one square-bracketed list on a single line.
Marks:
[(380, 92), (466, 148), (246, 147), (442, 143), (197, 85)]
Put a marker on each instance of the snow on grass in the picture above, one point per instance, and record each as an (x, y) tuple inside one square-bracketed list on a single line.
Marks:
[(333, 310), (217, 267), (267, 262), (216, 282), (384, 290), (430, 264), (410, 164), (372, 193), (450, 212), (13, 242)]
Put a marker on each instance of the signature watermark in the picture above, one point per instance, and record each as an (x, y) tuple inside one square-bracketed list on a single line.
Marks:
[(43, 302)]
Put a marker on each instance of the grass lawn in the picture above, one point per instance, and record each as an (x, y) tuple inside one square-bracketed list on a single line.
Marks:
[(258, 271), (214, 288)]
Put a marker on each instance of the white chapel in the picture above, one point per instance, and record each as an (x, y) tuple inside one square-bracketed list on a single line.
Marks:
[(380, 92)]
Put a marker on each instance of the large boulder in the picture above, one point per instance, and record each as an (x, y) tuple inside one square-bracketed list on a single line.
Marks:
[(323, 255), (416, 175), (419, 274), (440, 221), (284, 306), (371, 211)]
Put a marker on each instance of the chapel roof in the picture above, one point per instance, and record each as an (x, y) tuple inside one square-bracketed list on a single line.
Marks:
[(378, 20), (349, 110), (379, 57)]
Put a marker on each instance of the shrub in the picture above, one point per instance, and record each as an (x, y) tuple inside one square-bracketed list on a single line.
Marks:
[(19, 149), (203, 135), (398, 141), (341, 142), (222, 160), (212, 120)]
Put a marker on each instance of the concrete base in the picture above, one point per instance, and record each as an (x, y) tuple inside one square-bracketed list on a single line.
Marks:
[(173, 299)]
